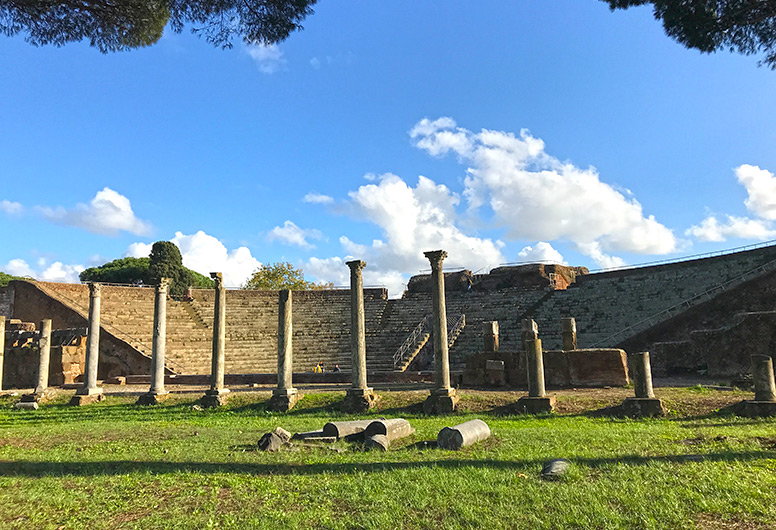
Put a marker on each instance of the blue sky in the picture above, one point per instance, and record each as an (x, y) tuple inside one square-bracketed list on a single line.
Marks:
[(505, 132)]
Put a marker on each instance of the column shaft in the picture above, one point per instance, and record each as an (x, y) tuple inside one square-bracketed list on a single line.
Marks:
[(568, 328), (285, 346), (219, 335), (535, 364), (92, 342), (762, 371), (441, 353), (45, 353), (642, 375), (357, 326), (159, 340)]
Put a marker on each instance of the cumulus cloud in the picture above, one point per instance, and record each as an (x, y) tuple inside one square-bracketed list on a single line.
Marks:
[(268, 58), (536, 196), (541, 251), (11, 207), (317, 198), (712, 229), (109, 212), (204, 253), (760, 185), (50, 272), (291, 234)]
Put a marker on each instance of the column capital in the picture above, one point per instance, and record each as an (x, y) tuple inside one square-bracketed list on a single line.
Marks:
[(218, 278), (95, 288), (436, 257), (163, 284), (356, 265)]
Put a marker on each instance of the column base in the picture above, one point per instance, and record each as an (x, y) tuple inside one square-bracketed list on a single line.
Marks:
[(86, 399), (642, 407), (152, 398), (359, 400), (755, 409), (535, 405), (283, 399), (215, 398), (87, 391), (441, 401)]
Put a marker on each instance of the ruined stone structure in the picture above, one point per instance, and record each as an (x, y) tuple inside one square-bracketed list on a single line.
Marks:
[(687, 314)]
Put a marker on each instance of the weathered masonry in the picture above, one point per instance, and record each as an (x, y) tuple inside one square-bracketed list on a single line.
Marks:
[(687, 314)]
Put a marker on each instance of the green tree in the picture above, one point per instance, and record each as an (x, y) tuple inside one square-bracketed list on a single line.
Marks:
[(5, 278), (745, 26), (115, 25), (124, 270), (282, 275)]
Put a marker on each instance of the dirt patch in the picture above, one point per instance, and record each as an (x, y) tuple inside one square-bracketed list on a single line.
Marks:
[(707, 521)]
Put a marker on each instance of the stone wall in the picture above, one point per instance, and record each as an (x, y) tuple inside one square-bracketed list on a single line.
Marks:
[(6, 301), (66, 361)]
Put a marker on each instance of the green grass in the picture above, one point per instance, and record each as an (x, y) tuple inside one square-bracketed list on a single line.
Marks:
[(115, 465)]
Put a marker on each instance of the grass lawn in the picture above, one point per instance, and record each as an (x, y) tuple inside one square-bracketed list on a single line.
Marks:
[(116, 465)]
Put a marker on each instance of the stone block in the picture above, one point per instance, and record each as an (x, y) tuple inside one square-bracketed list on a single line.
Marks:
[(215, 398), (597, 367), (535, 405), (151, 399), (642, 407), (755, 409), (341, 429), (463, 435), (26, 405)]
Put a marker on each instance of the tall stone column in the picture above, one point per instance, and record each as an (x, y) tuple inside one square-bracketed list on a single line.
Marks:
[(764, 403), (568, 328), (89, 392), (216, 396), (157, 392), (645, 403), (537, 401), (359, 397), (43, 360), (443, 398), (284, 397), (2, 348), (490, 336)]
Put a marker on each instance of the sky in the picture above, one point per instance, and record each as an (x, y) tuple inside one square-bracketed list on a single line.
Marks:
[(505, 132)]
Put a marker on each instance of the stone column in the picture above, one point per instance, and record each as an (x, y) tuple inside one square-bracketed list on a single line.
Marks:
[(2, 348), (89, 392), (443, 398), (216, 396), (359, 397), (645, 403), (490, 336), (529, 331), (284, 397), (43, 361), (157, 392), (568, 327), (537, 401), (764, 403)]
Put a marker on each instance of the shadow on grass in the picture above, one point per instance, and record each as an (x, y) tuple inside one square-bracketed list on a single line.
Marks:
[(122, 467)]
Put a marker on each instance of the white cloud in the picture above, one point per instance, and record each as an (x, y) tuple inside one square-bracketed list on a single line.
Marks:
[(54, 272), (315, 63), (205, 254), (11, 207), (711, 229), (291, 234), (108, 212), (541, 252), (605, 261), (760, 184), (268, 58), (138, 250), (536, 196), (328, 270), (317, 198)]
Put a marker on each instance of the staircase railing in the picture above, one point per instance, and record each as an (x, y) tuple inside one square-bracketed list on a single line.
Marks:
[(410, 341), (665, 314), (454, 327)]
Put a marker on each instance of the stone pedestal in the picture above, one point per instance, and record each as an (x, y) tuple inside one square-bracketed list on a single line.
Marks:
[(535, 405), (643, 407), (89, 392), (217, 395), (283, 399), (645, 403), (441, 401), (359, 400), (443, 398), (490, 336), (156, 394)]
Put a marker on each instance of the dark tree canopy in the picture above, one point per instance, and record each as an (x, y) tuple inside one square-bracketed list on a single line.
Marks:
[(5, 278), (115, 25), (743, 26), (282, 275), (165, 262)]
